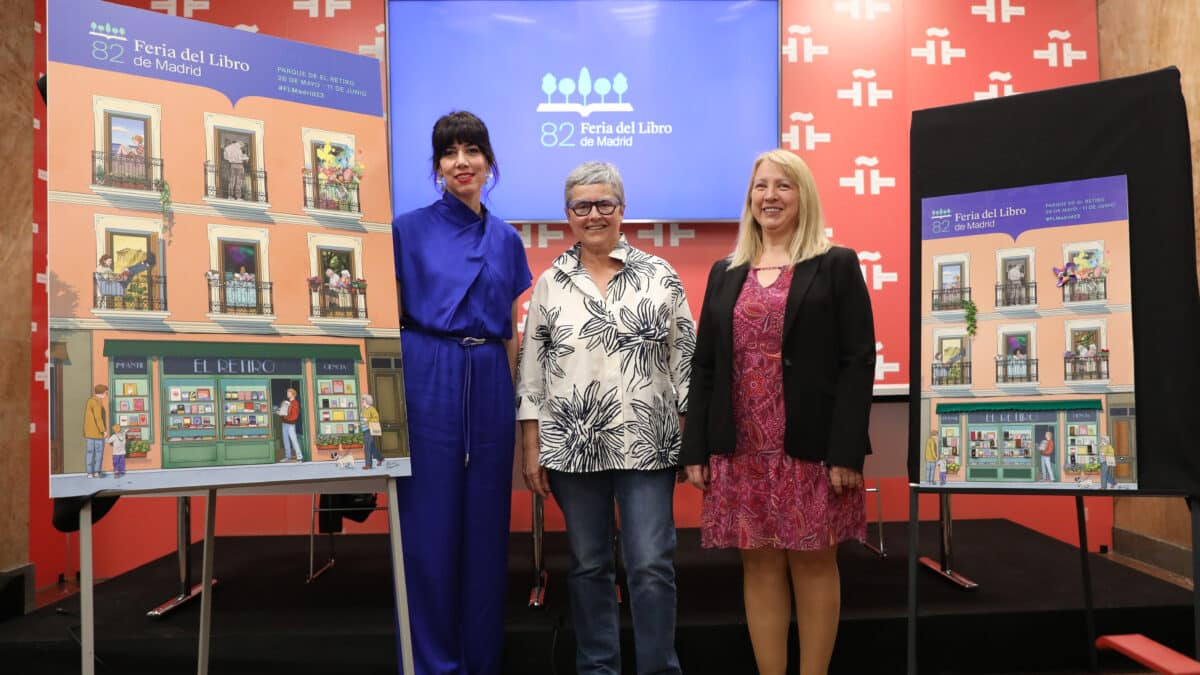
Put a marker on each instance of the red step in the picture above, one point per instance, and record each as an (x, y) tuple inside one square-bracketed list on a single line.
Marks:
[(1150, 654)]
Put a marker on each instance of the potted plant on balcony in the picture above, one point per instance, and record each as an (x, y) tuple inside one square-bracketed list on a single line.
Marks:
[(1092, 468), (314, 283), (327, 441), (352, 441), (358, 285), (1073, 468)]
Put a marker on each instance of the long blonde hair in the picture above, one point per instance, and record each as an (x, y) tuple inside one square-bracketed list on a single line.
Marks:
[(808, 240)]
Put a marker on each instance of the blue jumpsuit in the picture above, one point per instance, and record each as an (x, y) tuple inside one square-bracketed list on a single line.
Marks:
[(459, 275)]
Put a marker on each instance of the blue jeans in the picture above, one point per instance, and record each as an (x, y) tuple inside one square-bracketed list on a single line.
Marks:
[(290, 442), (644, 501), (95, 454), (370, 450)]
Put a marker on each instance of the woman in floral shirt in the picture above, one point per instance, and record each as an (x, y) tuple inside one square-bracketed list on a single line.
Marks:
[(602, 385)]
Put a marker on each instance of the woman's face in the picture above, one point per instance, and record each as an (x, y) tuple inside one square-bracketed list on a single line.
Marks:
[(597, 232), (774, 200), (463, 167)]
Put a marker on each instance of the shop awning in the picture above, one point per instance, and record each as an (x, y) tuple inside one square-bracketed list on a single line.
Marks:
[(996, 406), (249, 350)]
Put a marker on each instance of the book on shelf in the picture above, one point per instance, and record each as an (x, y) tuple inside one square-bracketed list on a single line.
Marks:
[(204, 394), (324, 386), (129, 389), (139, 404), (175, 394), (339, 386)]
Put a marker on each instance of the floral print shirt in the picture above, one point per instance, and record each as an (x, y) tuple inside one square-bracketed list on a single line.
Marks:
[(606, 374)]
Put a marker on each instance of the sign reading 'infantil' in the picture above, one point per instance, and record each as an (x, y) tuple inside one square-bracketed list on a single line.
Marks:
[(199, 365)]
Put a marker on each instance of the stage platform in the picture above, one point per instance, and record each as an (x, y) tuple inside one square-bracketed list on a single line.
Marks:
[(1026, 615)]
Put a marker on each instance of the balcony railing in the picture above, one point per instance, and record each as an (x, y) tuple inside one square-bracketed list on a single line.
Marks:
[(1016, 293), (338, 303), (239, 297), (1083, 290), (945, 299), (1010, 370), (950, 374), (327, 195), (220, 183), (132, 172), (1076, 368), (140, 292)]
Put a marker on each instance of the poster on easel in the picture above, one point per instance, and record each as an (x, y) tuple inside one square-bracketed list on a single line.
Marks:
[(218, 202), (1027, 361)]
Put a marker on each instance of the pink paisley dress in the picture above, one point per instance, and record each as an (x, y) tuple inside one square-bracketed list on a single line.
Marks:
[(761, 497)]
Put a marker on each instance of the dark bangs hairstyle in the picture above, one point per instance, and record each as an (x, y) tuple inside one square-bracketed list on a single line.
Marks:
[(461, 126)]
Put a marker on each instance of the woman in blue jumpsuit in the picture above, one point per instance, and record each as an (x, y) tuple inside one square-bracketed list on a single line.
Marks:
[(460, 270)]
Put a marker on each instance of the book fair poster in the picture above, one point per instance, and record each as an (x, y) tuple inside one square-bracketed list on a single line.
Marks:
[(1027, 361), (221, 304)]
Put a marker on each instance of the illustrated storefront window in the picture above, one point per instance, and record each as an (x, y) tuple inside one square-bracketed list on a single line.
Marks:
[(337, 398), (221, 410), (246, 409), (132, 402), (191, 409), (1002, 444), (1081, 442)]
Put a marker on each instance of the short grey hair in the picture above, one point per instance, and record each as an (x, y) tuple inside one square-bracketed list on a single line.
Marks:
[(595, 173), (368, 399)]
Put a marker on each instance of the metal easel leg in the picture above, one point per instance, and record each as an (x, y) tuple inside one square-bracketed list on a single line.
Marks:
[(945, 567), (312, 545), (537, 594), (87, 597), (879, 550), (183, 530)]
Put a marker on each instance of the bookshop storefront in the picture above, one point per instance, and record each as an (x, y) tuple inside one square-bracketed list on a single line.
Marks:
[(1002, 440), (214, 404)]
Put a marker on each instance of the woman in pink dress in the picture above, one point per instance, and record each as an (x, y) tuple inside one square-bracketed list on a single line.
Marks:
[(780, 400)]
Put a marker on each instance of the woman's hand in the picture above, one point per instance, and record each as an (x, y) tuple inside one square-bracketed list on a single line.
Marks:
[(843, 479), (697, 475), (536, 478)]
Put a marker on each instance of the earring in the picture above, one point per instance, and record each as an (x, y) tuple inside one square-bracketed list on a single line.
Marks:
[(441, 183), (489, 176)]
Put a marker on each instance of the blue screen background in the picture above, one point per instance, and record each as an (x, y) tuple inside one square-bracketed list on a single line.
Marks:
[(707, 68)]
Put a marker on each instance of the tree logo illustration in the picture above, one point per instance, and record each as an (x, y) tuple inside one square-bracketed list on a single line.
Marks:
[(585, 86)]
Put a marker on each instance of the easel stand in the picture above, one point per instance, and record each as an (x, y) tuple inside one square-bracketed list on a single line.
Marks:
[(87, 638), (944, 568), (186, 590)]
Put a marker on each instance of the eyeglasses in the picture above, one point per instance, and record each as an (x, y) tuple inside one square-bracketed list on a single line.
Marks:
[(605, 207)]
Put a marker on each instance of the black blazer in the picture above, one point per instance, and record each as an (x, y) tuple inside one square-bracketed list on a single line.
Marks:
[(828, 364)]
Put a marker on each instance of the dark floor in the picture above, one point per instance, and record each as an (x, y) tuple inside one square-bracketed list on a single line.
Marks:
[(1026, 616)]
